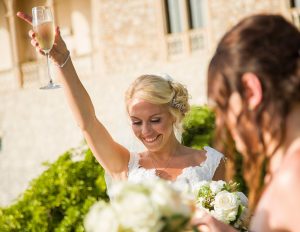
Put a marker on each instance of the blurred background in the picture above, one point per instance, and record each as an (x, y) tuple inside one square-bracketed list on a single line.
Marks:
[(111, 43)]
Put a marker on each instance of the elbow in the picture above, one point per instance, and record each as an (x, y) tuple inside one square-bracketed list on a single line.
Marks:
[(86, 124)]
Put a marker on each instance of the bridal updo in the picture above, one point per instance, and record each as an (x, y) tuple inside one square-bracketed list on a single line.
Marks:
[(161, 91)]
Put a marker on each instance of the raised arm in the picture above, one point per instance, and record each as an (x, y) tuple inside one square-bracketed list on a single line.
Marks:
[(111, 155)]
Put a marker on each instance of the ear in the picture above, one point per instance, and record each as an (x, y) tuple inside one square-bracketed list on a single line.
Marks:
[(253, 89)]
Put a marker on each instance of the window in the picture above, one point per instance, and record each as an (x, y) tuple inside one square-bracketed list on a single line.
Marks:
[(196, 14), (173, 16), (295, 12), (295, 3), (184, 26)]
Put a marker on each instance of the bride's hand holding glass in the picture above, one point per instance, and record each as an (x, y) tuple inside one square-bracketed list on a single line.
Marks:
[(44, 41)]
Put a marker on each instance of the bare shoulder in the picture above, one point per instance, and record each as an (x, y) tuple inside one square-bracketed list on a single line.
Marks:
[(196, 155), (290, 171), (281, 199)]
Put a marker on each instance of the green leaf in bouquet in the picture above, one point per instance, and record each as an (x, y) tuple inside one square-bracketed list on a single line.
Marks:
[(232, 186)]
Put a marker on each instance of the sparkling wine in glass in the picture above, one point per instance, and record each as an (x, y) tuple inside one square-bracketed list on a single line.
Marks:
[(43, 26)]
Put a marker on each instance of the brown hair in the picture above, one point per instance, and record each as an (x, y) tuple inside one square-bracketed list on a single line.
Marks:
[(268, 46)]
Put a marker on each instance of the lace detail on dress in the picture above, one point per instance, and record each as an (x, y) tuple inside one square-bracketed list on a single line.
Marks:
[(185, 181)]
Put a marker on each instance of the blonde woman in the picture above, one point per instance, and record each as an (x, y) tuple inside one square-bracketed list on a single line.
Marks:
[(155, 105)]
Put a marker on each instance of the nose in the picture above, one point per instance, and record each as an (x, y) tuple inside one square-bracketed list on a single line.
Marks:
[(146, 129)]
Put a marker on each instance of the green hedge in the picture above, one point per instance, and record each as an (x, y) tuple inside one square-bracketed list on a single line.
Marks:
[(59, 198), (198, 127)]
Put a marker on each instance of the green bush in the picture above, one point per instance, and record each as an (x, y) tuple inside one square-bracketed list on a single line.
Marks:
[(59, 198), (198, 127)]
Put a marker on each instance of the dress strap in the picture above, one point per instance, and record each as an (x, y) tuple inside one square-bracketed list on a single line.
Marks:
[(132, 164), (133, 161), (213, 159)]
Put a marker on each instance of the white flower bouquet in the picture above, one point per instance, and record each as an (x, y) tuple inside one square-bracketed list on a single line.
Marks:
[(224, 202), (149, 207)]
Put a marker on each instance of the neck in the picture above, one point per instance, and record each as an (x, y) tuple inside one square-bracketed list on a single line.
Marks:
[(292, 139)]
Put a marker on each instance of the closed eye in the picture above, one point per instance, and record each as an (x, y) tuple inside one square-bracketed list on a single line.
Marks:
[(156, 120), (136, 122)]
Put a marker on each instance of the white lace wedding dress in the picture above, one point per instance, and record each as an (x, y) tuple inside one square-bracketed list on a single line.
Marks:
[(185, 181)]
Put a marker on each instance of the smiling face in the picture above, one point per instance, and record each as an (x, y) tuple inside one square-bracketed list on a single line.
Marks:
[(152, 124)]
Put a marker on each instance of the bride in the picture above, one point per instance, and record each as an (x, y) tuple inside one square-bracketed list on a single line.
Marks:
[(156, 106)]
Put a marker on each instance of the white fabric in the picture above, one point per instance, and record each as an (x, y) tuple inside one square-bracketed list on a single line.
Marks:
[(185, 181)]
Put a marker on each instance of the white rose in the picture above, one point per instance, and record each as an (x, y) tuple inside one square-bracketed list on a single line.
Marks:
[(226, 206), (136, 211), (216, 186), (101, 217), (168, 200), (220, 215)]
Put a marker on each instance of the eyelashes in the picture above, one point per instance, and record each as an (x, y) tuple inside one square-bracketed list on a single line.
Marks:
[(153, 121)]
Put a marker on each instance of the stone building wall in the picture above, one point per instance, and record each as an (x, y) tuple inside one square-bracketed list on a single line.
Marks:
[(129, 34), (226, 13)]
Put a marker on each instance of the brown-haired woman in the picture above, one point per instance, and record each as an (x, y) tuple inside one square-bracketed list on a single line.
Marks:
[(254, 81)]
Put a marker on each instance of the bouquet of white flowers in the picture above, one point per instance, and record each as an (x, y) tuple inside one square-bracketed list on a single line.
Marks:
[(148, 207), (224, 202)]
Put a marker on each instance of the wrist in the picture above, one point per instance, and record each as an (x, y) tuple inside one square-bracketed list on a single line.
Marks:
[(65, 59)]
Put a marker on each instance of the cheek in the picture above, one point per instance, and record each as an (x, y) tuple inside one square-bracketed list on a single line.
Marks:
[(165, 128), (136, 130)]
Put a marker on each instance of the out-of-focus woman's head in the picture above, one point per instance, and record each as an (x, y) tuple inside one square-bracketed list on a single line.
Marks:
[(254, 82)]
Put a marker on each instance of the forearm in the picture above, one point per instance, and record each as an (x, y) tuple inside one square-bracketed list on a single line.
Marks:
[(77, 96)]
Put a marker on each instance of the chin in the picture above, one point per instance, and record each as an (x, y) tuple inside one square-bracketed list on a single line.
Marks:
[(152, 148)]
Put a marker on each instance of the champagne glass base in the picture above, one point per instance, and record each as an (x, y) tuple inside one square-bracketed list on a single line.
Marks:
[(51, 86)]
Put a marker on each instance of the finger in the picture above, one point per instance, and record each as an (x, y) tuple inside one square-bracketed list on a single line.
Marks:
[(31, 34), (34, 43), (27, 18), (197, 221), (39, 50), (57, 31)]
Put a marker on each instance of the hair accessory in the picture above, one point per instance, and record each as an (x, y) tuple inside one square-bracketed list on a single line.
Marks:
[(166, 76), (177, 105)]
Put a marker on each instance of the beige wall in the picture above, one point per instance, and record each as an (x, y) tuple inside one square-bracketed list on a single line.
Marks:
[(74, 18), (129, 38)]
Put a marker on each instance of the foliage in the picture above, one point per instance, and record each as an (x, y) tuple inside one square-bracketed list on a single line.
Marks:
[(198, 127), (59, 198)]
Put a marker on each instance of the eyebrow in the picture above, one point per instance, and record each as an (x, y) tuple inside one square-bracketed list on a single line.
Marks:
[(133, 117)]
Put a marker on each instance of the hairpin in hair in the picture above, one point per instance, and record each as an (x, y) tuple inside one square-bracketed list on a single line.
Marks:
[(177, 105), (166, 76)]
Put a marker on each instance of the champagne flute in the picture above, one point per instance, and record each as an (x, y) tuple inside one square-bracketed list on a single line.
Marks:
[(43, 26)]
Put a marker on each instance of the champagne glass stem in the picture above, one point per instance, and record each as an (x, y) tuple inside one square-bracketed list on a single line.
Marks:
[(48, 67)]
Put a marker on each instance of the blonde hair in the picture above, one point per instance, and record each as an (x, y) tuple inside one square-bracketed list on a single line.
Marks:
[(158, 90)]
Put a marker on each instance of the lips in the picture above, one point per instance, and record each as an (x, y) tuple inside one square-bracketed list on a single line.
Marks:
[(151, 139)]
